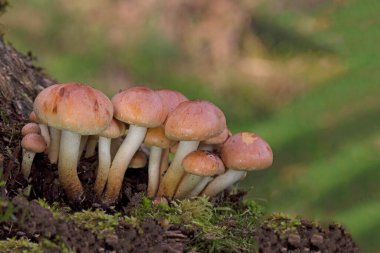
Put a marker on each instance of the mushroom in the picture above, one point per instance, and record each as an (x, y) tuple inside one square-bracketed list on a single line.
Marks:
[(199, 187), (155, 139), (76, 109), (43, 126), (198, 164), (190, 123), (91, 146), (141, 108), (30, 128), (210, 144), (31, 143), (113, 131), (139, 160), (82, 145), (240, 153)]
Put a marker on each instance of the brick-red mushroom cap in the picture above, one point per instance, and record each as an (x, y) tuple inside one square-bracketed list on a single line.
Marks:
[(30, 128), (246, 151), (219, 139), (195, 121), (203, 163), (34, 143), (156, 137), (139, 106), (171, 99), (115, 129), (74, 107)]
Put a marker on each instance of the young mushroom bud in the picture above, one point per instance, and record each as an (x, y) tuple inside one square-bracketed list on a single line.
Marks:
[(44, 128), (141, 108), (198, 165), (240, 153), (139, 160), (31, 143), (30, 128), (75, 109), (190, 123)]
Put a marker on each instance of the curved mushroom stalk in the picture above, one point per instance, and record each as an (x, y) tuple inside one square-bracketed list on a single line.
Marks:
[(104, 164), (154, 170), (45, 133), (67, 164), (120, 163), (91, 146), (175, 171), (27, 161), (199, 187), (188, 183), (222, 182), (55, 138)]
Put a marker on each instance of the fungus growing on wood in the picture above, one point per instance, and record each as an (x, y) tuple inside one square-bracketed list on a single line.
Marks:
[(75, 109), (141, 108), (31, 143), (190, 123), (240, 153)]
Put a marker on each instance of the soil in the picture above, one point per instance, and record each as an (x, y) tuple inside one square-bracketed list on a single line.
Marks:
[(20, 82)]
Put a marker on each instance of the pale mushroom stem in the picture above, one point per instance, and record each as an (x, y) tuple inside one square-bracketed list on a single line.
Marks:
[(104, 156), (27, 160), (91, 146), (67, 164), (121, 161), (187, 184), (45, 133), (55, 138), (199, 188), (222, 182), (82, 145), (154, 170), (164, 163), (175, 171)]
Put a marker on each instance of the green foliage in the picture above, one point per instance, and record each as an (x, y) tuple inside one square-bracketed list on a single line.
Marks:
[(96, 221), (282, 223), (55, 208), (13, 245)]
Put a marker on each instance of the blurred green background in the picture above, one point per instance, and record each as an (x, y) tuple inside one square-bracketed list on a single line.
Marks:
[(305, 75)]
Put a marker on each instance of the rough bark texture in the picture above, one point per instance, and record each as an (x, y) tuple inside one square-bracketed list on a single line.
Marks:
[(20, 82)]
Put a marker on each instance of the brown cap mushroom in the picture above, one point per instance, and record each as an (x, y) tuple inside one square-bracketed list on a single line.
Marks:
[(30, 128), (198, 164), (44, 129), (211, 144), (141, 108), (139, 160), (190, 123), (76, 109), (240, 153), (31, 143), (171, 99)]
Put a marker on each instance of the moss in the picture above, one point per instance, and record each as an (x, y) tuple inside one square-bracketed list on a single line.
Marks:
[(282, 224), (14, 245), (97, 221), (49, 246), (228, 228), (55, 208)]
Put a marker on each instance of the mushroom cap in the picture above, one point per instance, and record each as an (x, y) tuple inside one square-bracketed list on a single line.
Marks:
[(195, 121), (219, 139), (30, 128), (33, 142), (114, 130), (74, 107), (139, 106), (171, 99), (203, 163), (139, 160), (156, 137), (246, 151)]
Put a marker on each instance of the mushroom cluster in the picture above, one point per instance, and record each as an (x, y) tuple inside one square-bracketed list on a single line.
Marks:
[(139, 126)]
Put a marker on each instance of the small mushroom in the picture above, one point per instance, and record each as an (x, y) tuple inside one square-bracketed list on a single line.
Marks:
[(190, 123), (141, 108), (240, 153), (198, 164), (211, 143), (43, 126), (155, 139), (114, 130), (139, 160), (31, 143), (75, 109), (30, 128)]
